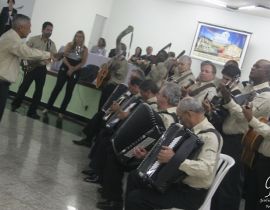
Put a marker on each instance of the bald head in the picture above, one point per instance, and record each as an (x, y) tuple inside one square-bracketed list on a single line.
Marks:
[(260, 71)]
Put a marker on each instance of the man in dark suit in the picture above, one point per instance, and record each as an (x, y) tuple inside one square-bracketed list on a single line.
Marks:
[(6, 16)]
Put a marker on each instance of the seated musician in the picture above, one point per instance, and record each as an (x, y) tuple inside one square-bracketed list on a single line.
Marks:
[(191, 192), (137, 56), (148, 92), (214, 110), (229, 193), (159, 71), (258, 176), (167, 99), (205, 86), (182, 72), (103, 134), (95, 124)]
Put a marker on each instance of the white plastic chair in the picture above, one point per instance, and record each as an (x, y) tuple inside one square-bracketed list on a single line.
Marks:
[(224, 165)]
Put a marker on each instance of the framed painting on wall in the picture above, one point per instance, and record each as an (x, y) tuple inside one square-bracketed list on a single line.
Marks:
[(219, 44)]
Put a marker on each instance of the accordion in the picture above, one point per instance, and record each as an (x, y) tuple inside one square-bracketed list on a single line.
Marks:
[(116, 94), (142, 128), (185, 144), (127, 104)]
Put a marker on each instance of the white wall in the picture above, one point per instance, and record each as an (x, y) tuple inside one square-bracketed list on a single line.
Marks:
[(68, 16), (158, 22)]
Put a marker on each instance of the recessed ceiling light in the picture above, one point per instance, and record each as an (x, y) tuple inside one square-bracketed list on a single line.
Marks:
[(247, 7), (217, 2)]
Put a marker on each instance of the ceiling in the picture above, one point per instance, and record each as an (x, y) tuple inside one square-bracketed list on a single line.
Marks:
[(262, 9)]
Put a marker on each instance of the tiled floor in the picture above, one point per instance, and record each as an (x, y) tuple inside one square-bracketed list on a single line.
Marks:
[(40, 167)]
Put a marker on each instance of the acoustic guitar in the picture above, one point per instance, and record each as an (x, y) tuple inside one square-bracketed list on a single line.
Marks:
[(103, 75), (251, 142)]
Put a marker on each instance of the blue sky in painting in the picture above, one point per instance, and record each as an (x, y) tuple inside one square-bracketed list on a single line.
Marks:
[(223, 36)]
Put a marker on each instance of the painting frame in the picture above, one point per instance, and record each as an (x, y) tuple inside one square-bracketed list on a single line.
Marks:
[(219, 44)]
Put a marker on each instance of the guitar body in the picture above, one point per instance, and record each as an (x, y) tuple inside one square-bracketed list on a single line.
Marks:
[(251, 142), (103, 75)]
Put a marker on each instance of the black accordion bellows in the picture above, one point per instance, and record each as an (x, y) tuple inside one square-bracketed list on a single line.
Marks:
[(116, 94), (142, 128), (185, 144)]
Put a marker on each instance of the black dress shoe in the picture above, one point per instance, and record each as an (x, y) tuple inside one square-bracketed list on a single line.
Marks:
[(83, 142), (14, 108), (94, 178), (89, 172), (34, 116), (110, 205)]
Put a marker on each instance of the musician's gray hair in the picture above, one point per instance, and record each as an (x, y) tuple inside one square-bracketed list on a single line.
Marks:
[(19, 20), (190, 104), (186, 59), (172, 92), (138, 73)]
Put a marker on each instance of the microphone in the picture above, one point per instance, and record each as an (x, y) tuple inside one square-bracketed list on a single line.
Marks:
[(181, 54)]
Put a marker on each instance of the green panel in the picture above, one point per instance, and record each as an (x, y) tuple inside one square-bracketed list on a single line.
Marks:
[(82, 96)]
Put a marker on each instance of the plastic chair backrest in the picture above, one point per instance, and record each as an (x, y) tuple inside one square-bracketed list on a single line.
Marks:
[(224, 165)]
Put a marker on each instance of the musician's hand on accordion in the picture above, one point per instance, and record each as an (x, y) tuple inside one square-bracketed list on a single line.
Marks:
[(165, 154), (115, 107), (140, 152), (122, 115)]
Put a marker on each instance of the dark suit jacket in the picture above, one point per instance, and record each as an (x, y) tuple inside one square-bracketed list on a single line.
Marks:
[(4, 18)]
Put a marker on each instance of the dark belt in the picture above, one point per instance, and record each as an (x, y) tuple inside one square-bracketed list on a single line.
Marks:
[(262, 157), (4, 82)]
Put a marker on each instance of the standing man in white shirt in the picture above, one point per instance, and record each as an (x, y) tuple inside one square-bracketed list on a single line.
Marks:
[(12, 49)]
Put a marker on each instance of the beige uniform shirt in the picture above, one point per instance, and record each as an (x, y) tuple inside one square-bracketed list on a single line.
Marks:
[(211, 91), (153, 103), (264, 130), (166, 118), (11, 50), (236, 122), (118, 75), (38, 43), (158, 74), (183, 79), (201, 172)]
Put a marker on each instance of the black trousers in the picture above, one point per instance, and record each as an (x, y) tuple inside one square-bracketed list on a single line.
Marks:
[(94, 125), (113, 174), (99, 152), (4, 87), (39, 76), (182, 196), (62, 78), (258, 184), (229, 192)]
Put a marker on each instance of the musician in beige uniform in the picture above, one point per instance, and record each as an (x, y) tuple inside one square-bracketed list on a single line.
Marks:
[(167, 99), (191, 192), (228, 195), (38, 73), (204, 87), (183, 75), (11, 50), (148, 92), (258, 180)]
